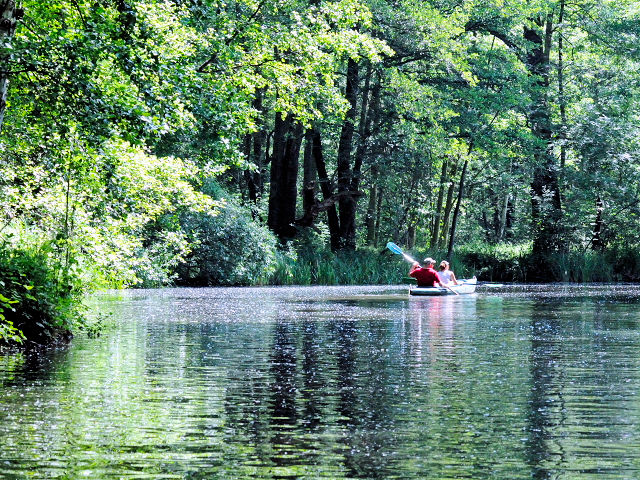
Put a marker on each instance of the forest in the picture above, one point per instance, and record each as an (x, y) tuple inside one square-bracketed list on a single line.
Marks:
[(150, 143)]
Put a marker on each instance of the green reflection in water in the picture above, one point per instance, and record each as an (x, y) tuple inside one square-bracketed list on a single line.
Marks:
[(333, 383)]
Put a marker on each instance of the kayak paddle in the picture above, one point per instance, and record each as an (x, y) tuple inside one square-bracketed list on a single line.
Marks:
[(397, 250)]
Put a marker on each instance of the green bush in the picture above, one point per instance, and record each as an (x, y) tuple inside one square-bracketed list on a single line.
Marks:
[(229, 248), (40, 300), (625, 263), (501, 262)]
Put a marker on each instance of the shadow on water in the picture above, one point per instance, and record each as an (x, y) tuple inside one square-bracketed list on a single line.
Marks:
[(546, 393), (32, 366)]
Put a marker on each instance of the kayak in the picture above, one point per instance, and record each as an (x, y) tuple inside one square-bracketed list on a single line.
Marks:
[(463, 287)]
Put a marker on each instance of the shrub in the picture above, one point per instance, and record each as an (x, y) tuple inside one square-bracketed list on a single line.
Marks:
[(229, 248), (40, 297), (502, 262)]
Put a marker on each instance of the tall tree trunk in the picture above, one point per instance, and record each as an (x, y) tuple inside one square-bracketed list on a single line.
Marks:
[(379, 213), (497, 212), (10, 14), (371, 207), (546, 208), (291, 162), (254, 154), (369, 114), (435, 234), (287, 139), (276, 193), (485, 226), (454, 222), (597, 243), (308, 180), (411, 235), (511, 208), (448, 207), (327, 190), (503, 217), (346, 201), (309, 202), (249, 174), (259, 151), (561, 96)]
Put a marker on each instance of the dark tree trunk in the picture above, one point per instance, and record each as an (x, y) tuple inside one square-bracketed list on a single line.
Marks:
[(435, 234), (546, 208), (287, 138), (485, 226), (10, 15), (291, 162), (378, 213), (327, 190), (448, 207), (411, 235), (347, 202), (503, 217), (454, 222), (371, 207), (249, 175), (276, 193), (308, 183), (508, 223), (561, 96), (369, 114), (253, 149)]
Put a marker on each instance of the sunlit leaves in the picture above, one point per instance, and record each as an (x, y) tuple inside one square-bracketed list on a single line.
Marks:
[(292, 49)]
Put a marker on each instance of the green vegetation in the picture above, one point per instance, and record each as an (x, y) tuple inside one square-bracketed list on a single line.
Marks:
[(490, 263), (343, 268), (41, 297), (147, 143)]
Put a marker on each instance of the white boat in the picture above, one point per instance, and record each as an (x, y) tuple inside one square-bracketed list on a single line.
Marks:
[(463, 287)]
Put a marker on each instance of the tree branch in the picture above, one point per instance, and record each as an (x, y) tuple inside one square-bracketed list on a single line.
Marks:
[(233, 37), (482, 27)]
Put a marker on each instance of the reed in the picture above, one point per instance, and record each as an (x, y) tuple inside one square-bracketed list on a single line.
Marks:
[(498, 263), (363, 267)]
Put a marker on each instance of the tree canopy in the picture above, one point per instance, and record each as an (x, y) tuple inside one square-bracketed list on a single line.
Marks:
[(135, 133)]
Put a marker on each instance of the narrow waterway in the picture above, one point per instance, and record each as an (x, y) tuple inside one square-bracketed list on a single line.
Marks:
[(334, 382)]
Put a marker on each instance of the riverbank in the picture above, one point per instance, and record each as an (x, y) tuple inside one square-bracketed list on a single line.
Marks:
[(41, 292), (501, 263)]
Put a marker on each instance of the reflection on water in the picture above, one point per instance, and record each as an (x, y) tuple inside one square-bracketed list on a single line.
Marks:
[(335, 383)]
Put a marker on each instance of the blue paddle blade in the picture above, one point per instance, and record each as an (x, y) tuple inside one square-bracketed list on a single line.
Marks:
[(394, 248)]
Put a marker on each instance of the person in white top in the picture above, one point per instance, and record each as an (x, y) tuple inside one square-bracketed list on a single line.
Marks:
[(446, 276)]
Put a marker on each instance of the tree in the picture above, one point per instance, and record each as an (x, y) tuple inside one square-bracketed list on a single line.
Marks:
[(9, 16)]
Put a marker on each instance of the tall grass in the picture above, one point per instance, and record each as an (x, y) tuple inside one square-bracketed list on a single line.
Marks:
[(501, 263), (363, 267), (516, 263)]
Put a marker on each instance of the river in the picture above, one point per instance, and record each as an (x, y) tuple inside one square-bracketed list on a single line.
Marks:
[(334, 382)]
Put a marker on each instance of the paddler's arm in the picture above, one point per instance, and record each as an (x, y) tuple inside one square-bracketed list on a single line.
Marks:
[(414, 267)]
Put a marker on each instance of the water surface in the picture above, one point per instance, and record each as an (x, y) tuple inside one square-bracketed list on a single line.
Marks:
[(335, 382)]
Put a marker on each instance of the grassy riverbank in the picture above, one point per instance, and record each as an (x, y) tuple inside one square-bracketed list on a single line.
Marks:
[(502, 263)]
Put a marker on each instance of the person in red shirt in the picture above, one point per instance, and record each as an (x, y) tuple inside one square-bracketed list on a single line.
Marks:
[(426, 276)]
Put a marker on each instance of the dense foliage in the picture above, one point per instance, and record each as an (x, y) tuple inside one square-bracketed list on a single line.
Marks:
[(202, 142), (40, 301)]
